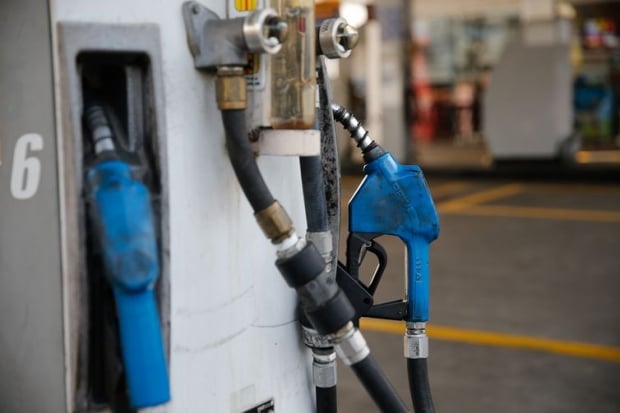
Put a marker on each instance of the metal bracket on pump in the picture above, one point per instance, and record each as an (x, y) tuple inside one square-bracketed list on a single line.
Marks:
[(218, 42)]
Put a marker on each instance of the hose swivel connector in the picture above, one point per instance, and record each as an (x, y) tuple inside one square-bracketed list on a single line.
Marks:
[(350, 344), (324, 370), (323, 357), (416, 341), (336, 38)]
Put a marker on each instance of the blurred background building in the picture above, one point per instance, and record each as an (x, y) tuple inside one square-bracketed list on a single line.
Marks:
[(469, 83)]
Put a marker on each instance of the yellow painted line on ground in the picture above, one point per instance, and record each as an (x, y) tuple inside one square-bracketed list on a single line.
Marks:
[(448, 188), (477, 198), (600, 156), (486, 338), (541, 213), (576, 189)]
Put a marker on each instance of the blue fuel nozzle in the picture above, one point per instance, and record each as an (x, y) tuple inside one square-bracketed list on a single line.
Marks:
[(121, 209), (393, 199)]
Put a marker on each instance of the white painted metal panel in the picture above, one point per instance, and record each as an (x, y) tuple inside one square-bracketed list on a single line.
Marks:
[(234, 339)]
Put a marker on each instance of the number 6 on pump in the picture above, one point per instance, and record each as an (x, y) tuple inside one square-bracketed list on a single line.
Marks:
[(26, 171)]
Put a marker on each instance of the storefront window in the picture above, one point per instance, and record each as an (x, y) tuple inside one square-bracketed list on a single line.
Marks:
[(597, 75), (451, 63)]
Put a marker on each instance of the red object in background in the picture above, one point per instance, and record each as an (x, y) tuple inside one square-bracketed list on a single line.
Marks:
[(600, 32), (425, 119)]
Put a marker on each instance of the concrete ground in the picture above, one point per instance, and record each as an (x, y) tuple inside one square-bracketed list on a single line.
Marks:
[(525, 300)]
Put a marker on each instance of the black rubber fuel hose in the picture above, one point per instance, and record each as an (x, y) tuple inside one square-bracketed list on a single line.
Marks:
[(378, 386), (243, 162), (419, 386), (326, 400)]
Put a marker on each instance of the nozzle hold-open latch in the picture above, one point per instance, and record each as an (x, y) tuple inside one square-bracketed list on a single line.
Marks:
[(360, 294)]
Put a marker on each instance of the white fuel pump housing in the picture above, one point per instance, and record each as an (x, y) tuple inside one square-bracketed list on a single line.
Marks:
[(229, 320)]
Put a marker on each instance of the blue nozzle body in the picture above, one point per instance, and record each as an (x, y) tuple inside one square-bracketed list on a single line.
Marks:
[(121, 209), (393, 199)]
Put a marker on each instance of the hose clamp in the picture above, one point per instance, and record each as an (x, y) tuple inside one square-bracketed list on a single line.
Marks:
[(416, 341), (350, 344)]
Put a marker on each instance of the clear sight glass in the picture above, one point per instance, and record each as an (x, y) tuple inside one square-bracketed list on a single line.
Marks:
[(293, 76)]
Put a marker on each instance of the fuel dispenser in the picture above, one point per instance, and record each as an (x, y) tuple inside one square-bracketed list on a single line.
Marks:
[(157, 292), (392, 200)]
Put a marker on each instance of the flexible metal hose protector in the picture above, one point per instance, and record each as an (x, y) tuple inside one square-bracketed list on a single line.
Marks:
[(417, 369), (243, 162), (370, 149)]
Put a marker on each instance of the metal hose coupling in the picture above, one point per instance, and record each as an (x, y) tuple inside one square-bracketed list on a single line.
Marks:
[(323, 243), (275, 223), (323, 357), (416, 341), (230, 88), (336, 38), (324, 370), (350, 344)]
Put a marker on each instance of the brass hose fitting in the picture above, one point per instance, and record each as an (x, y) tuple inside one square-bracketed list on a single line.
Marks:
[(230, 88), (275, 222)]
